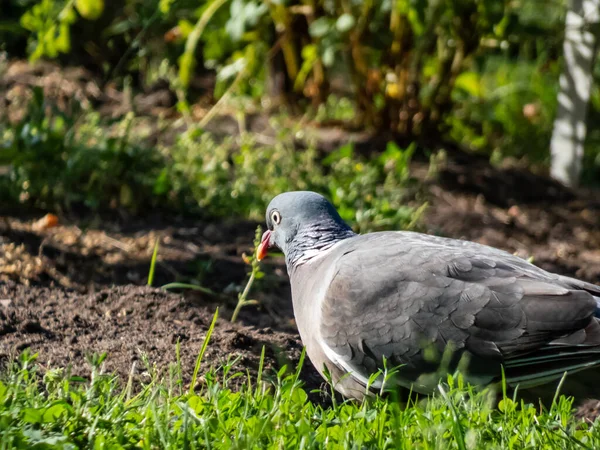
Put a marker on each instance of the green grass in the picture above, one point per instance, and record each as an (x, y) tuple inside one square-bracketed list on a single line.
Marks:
[(273, 411)]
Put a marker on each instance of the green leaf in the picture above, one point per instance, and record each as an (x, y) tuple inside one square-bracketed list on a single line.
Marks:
[(90, 9), (55, 411), (162, 183), (470, 83), (164, 6), (345, 23), (187, 60), (195, 402), (187, 63), (506, 405), (231, 70), (193, 287), (345, 151), (77, 379), (329, 56), (185, 28), (309, 52), (203, 350), (320, 27), (47, 440), (32, 415), (309, 57)]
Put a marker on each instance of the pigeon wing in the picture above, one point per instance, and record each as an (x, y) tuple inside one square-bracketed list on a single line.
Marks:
[(400, 299)]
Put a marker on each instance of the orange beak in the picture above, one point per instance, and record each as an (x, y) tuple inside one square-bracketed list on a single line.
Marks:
[(265, 243)]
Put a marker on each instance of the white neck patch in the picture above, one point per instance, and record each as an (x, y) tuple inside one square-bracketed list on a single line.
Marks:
[(312, 255)]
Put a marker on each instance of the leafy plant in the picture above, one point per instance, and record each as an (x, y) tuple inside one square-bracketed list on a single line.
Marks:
[(255, 274), (49, 21), (371, 193), (400, 60), (63, 160)]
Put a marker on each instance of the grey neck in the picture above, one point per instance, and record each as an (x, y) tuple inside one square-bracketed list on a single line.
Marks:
[(312, 240)]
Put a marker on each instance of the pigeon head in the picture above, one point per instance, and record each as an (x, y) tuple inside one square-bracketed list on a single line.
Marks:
[(301, 224)]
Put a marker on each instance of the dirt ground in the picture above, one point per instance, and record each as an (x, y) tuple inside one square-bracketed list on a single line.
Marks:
[(129, 322), (67, 293), (80, 287)]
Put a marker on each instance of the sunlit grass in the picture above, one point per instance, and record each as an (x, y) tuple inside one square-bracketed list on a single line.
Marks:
[(271, 411)]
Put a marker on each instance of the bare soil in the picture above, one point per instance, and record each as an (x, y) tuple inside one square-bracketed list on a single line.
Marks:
[(66, 293), (130, 323)]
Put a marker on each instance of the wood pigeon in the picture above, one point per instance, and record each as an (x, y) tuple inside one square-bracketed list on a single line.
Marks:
[(424, 306)]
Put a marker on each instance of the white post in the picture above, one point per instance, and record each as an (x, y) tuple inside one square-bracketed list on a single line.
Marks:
[(569, 131)]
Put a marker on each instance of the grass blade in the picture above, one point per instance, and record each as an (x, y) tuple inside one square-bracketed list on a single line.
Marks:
[(193, 287), (153, 263), (203, 350), (459, 434)]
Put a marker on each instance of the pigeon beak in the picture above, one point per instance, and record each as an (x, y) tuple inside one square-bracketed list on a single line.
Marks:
[(265, 243)]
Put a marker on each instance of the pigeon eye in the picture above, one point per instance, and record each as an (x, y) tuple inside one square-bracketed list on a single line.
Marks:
[(276, 217)]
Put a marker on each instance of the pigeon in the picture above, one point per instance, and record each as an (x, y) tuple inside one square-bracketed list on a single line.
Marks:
[(405, 309)]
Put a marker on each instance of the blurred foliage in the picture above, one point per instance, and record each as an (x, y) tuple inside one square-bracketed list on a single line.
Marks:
[(224, 177), (65, 161), (399, 57), (59, 162), (49, 22), (480, 73), (507, 108)]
